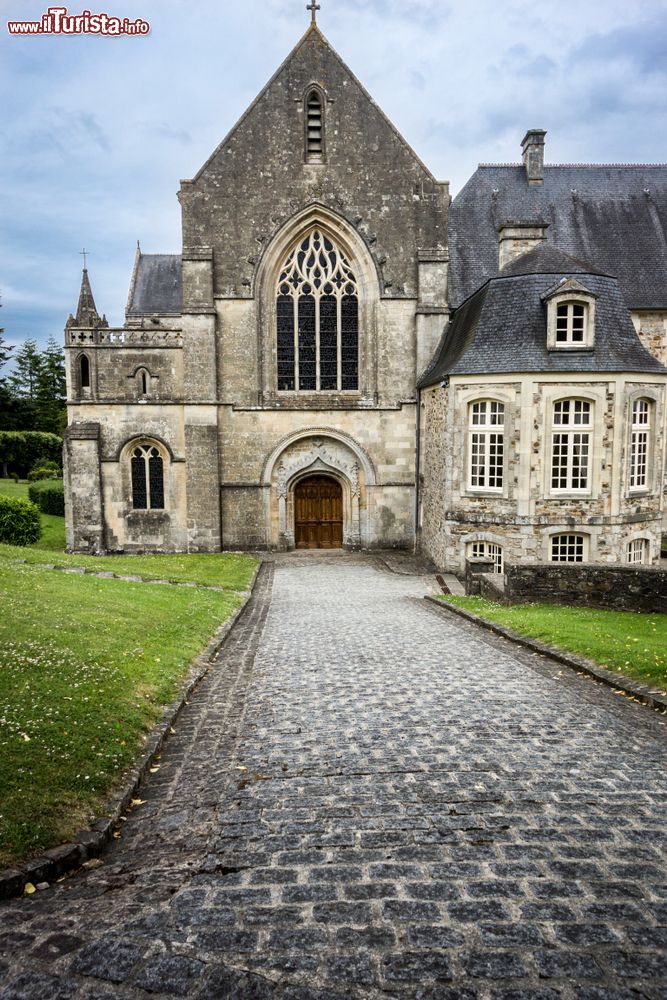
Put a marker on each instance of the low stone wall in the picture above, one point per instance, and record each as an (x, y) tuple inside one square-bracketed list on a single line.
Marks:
[(623, 588)]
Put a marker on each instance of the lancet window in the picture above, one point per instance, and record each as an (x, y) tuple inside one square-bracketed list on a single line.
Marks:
[(317, 312), (147, 478)]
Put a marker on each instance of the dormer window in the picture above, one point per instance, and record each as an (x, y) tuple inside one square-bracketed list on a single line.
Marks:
[(314, 126), (570, 316), (570, 323)]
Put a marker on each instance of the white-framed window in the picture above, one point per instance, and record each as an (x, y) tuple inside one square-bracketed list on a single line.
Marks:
[(570, 316), (486, 448), (487, 550), (568, 548), (640, 430), (571, 323), (638, 551), (147, 472), (571, 446)]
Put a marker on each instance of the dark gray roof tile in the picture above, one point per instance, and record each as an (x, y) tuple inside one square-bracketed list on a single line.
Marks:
[(502, 328), (613, 216), (156, 285)]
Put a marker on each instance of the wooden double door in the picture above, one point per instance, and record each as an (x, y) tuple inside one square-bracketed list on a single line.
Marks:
[(318, 513)]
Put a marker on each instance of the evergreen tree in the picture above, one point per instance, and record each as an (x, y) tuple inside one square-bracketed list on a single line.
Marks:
[(23, 384), (51, 391), (5, 350)]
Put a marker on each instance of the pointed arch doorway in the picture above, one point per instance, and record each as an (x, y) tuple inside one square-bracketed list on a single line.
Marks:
[(318, 513)]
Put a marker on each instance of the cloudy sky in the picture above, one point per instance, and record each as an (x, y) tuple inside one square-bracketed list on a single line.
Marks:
[(96, 132)]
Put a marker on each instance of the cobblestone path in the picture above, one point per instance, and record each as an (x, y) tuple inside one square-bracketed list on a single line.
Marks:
[(365, 799)]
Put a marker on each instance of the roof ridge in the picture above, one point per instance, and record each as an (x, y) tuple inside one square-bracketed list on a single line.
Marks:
[(594, 166)]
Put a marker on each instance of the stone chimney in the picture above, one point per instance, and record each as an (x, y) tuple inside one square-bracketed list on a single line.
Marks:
[(532, 146), (516, 236)]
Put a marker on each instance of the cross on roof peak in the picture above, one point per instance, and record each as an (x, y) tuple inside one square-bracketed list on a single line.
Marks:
[(313, 8), (84, 253)]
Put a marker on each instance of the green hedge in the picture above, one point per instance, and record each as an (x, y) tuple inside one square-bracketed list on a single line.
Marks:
[(20, 522), (20, 451), (49, 496)]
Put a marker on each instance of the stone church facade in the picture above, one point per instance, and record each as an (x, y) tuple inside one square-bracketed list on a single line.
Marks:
[(309, 371)]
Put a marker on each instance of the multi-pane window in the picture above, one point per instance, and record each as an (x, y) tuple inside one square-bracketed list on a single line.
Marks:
[(570, 446), (486, 432), (639, 441), (638, 550), (567, 548), (147, 478), (488, 550), (317, 312), (570, 323)]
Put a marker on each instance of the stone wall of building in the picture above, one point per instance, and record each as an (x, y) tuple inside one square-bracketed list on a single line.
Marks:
[(258, 178), (623, 588), (524, 516), (651, 325)]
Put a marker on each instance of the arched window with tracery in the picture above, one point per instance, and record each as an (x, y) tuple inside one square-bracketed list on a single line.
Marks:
[(147, 478), (317, 311)]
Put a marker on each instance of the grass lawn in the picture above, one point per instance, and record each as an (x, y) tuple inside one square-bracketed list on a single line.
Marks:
[(230, 570), (629, 642), (86, 665)]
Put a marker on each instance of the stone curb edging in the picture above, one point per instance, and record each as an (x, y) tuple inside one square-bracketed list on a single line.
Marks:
[(639, 692), (87, 844)]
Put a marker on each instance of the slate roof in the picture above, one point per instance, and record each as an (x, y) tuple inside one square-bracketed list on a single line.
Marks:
[(503, 326), (156, 285), (614, 216)]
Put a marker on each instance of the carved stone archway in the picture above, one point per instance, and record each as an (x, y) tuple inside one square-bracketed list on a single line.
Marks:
[(308, 454)]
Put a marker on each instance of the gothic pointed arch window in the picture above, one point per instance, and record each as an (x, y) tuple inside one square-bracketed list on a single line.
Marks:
[(147, 467), (317, 312)]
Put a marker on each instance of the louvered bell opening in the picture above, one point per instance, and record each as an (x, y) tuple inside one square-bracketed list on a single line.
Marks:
[(314, 125)]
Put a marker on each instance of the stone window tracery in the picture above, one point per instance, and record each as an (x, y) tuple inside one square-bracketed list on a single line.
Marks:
[(486, 444), (147, 468), (317, 315)]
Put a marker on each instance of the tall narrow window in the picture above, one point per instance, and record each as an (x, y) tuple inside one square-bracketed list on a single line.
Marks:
[(568, 548), (143, 382), (314, 127), (84, 374), (639, 442), (486, 450), (147, 478), (570, 448), (317, 319)]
